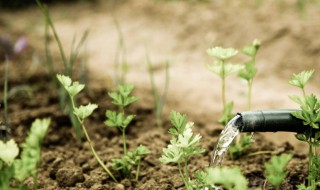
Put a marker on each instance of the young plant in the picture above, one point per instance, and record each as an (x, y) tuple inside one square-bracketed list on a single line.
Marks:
[(121, 121), (27, 164), (82, 112), (183, 145), (244, 141), (310, 115), (126, 164), (249, 71), (68, 64), (223, 70), (215, 178), (158, 100), (275, 169)]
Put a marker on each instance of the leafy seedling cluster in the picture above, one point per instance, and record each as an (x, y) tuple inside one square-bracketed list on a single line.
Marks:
[(26, 165), (184, 145), (246, 71), (309, 113), (120, 120), (275, 169)]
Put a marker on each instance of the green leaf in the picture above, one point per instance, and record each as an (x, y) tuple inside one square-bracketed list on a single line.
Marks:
[(178, 121), (252, 49), (8, 151), (248, 72), (171, 154), (85, 111), (275, 169), (27, 165), (64, 80), (232, 68), (73, 88), (222, 53), (300, 80), (228, 178), (119, 120), (122, 98)]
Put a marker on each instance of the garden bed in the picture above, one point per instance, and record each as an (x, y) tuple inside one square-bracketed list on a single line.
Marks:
[(69, 164)]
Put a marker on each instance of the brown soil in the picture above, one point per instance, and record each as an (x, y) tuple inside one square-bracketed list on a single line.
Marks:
[(179, 31)]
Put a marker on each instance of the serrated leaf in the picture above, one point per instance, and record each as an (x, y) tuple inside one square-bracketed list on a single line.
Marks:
[(232, 68), (300, 80), (8, 151), (228, 178), (222, 53), (178, 120), (275, 169), (73, 88), (248, 72), (85, 111), (64, 80)]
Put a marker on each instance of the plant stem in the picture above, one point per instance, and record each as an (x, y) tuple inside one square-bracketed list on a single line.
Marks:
[(186, 172), (91, 146), (181, 175), (310, 162), (124, 141), (138, 170)]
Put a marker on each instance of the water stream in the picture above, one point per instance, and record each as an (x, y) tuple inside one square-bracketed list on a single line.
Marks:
[(226, 137)]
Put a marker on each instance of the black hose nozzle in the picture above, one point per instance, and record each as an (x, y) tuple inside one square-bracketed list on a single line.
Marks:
[(269, 121)]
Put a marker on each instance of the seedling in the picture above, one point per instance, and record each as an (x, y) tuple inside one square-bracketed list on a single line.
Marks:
[(249, 71), (25, 166), (310, 114), (121, 121), (183, 145), (158, 99), (68, 64), (223, 70), (228, 178), (275, 169), (82, 112)]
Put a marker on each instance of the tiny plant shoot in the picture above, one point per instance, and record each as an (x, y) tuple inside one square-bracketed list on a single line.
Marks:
[(68, 64), (248, 72), (120, 120), (310, 115), (82, 112), (183, 145), (19, 169), (228, 178), (275, 169), (223, 70), (121, 99), (158, 99)]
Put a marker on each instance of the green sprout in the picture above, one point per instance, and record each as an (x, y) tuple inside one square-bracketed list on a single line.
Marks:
[(243, 141), (120, 120), (275, 169), (183, 145), (249, 71), (25, 166), (158, 100), (223, 70), (68, 64), (82, 112), (228, 178), (310, 115)]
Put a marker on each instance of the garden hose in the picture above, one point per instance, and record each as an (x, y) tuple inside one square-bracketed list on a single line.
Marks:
[(269, 121)]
